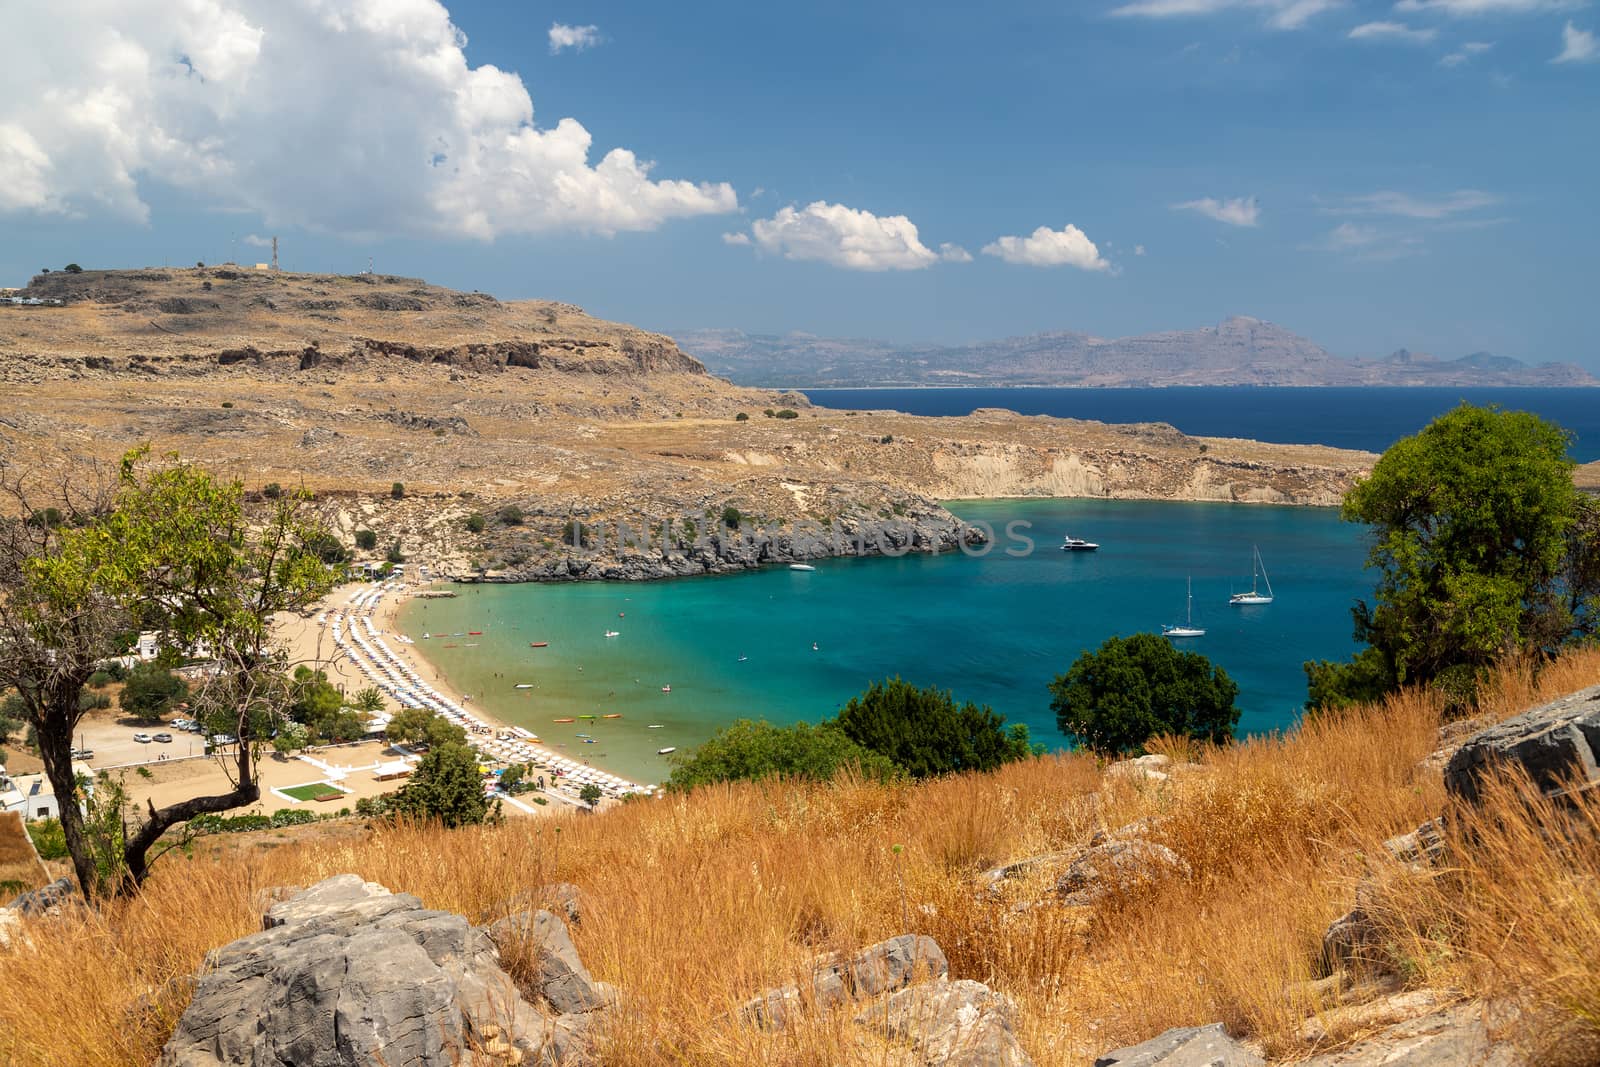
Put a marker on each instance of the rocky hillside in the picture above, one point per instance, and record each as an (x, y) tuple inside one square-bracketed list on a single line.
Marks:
[(347, 385), (1238, 351)]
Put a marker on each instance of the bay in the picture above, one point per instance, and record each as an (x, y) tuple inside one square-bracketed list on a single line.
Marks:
[(993, 629), (1371, 418)]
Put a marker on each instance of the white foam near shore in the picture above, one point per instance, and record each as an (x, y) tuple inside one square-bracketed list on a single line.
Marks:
[(357, 639)]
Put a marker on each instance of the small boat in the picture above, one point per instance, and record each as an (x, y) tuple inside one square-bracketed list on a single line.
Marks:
[(814, 646), (590, 741), (743, 657), (583, 735), (585, 716), (523, 685), (452, 646), (426, 636), (612, 715), (1077, 544), (1188, 629), (801, 567), (655, 726), (622, 614), (1256, 568), (666, 689), (664, 751), (474, 633), (613, 633), (566, 720), (538, 644), (471, 644)]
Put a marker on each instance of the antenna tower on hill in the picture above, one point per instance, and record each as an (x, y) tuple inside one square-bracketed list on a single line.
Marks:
[(274, 253)]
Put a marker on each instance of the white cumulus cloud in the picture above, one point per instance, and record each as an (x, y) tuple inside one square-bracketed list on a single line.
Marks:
[(1066, 247), (577, 38), (348, 116), (954, 253), (1392, 31), (736, 238), (1239, 211), (1280, 14), (1577, 46), (1465, 53), (844, 237)]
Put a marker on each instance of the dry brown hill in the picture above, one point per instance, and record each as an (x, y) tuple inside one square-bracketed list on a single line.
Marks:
[(347, 384)]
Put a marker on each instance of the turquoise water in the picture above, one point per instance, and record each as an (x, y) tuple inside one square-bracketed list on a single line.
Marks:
[(994, 629)]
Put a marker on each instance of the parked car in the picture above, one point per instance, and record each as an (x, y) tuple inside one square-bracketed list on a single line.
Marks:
[(182, 723), (83, 753), (163, 739), (222, 739), (143, 739)]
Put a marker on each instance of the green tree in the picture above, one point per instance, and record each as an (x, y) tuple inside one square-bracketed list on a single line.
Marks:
[(366, 540), (13, 717), (590, 794), (476, 522), (446, 785), (731, 518), (1116, 698), (152, 692), (926, 732), (369, 700), (290, 738), (315, 701), (73, 268), (511, 779), (511, 515), (1484, 549), (421, 726), (397, 491), (747, 751)]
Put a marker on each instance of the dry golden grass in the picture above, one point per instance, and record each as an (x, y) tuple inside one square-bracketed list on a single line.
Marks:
[(695, 904), (20, 865)]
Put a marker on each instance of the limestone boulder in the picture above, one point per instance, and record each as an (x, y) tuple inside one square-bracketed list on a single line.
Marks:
[(1189, 1046), (882, 968), (951, 1024), (542, 939), (1118, 868), (347, 974), (1554, 744)]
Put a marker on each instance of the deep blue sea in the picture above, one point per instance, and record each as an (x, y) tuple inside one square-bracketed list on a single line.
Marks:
[(994, 629), (1368, 418)]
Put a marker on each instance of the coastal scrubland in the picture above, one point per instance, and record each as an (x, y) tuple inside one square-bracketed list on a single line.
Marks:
[(695, 903)]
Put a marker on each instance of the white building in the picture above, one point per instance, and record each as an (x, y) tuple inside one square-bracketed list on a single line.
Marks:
[(32, 795)]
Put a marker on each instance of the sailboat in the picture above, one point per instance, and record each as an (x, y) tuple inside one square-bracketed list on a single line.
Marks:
[(1188, 629), (1253, 597)]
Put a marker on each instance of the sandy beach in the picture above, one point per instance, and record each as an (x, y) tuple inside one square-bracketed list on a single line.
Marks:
[(309, 641)]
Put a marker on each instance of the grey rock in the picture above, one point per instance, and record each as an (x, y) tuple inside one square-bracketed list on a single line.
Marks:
[(1552, 743), (563, 980), (1118, 867), (348, 973), (45, 899), (952, 1024), (1351, 940), (1422, 847), (1189, 1046), (881, 968), (1454, 1037)]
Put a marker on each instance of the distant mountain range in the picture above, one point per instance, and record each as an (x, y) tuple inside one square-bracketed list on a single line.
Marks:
[(1238, 351)]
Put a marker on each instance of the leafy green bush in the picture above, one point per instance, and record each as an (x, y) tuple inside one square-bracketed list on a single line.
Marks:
[(746, 750), (741, 417), (272, 491), (397, 490), (1116, 698), (366, 540), (99, 679), (475, 522), (48, 838), (926, 732), (786, 413), (511, 515)]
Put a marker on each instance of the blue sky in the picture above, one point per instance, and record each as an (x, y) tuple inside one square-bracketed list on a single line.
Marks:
[(1371, 175)]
